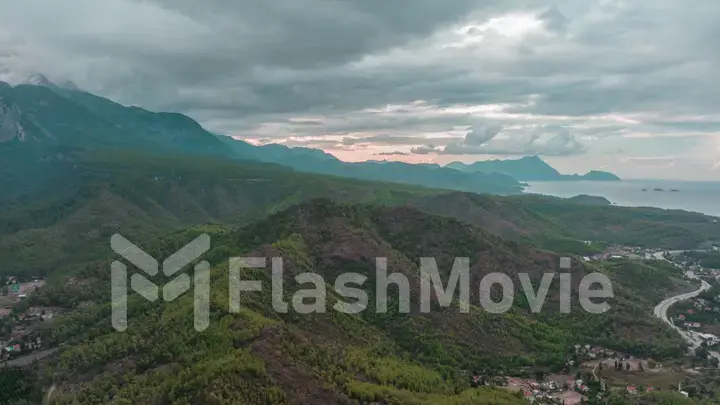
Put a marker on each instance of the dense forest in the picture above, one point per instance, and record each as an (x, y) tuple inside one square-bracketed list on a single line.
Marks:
[(263, 356), (706, 259), (90, 196)]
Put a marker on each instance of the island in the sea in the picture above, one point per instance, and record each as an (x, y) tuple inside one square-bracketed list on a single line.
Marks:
[(674, 190), (590, 200)]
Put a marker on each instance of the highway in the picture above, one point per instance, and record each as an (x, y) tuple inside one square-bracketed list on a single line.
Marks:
[(661, 309)]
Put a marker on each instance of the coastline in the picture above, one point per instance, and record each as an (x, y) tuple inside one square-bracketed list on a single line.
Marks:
[(701, 197)]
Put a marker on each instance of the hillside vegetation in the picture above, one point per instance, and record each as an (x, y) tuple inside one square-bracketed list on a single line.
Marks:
[(706, 259), (552, 220), (93, 196), (76, 169), (82, 198), (263, 356)]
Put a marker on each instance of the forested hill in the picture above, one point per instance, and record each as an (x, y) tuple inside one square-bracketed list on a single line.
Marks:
[(76, 169), (553, 220), (86, 197), (78, 199), (261, 356)]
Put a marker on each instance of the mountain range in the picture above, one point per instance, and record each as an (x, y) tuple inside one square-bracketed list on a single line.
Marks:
[(529, 168), (327, 225), (76, 169), (46, 116)]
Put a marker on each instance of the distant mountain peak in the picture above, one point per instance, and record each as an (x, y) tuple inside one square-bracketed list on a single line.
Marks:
[(533, 159), (43, 113), (38, 79), (528, 168)]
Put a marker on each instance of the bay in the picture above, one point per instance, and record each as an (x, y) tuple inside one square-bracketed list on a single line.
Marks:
[(703, 197)]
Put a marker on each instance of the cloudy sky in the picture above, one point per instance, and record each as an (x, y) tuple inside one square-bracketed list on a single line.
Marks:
[(622, 85)]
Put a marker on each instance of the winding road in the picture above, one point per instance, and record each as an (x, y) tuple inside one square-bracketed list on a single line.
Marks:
[(662, 308), (692, 338)]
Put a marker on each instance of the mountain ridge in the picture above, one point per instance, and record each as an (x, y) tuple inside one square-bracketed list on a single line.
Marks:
[(42, 115), (41, 112), (65, 200), (529, 168)]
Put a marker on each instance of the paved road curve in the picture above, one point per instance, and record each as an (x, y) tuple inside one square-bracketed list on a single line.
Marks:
[(662, 308)]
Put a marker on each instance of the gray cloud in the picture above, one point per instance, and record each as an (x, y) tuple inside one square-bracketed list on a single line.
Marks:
[(560, 77), (480, 136), (547, 140), (310, 143), (424, 149), (249, 57), (554, 19), (385, 139)]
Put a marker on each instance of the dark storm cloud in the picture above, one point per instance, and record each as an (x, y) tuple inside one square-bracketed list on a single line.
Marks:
[(296, 56), (318, 68), (218, 42), (318, 33)]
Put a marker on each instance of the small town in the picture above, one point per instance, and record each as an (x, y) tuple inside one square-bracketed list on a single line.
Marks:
[(20, 340), (596, 371), (593, 370)]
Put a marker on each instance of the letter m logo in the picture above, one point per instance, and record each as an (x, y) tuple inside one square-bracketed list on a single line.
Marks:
[(144, 287)]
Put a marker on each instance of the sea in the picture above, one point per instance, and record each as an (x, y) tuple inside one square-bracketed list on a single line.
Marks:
[(703, 197)]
